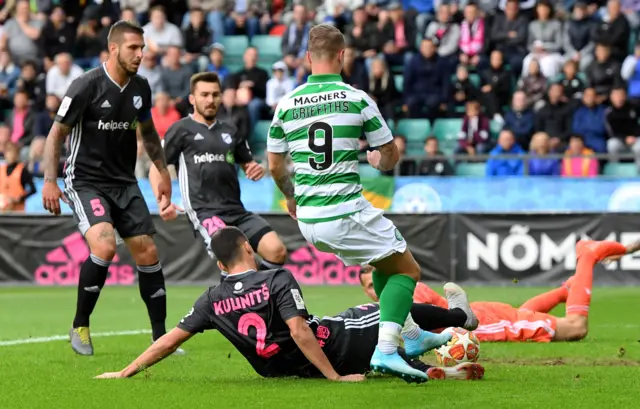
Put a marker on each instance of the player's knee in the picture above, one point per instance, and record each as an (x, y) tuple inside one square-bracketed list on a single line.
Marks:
[(147, 255), (414, 271), (579, 328), (106, 251), (279, 254)]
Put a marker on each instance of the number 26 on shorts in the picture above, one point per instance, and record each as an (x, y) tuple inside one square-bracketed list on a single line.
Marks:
[(213, 224), (97, 207)]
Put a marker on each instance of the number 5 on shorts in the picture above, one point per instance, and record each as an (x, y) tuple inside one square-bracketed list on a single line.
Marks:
[(96, 206)]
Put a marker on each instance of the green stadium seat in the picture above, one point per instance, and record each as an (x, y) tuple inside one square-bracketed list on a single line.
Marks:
[(258, 150), (367, 171), (416, 132), (268, 46), (234, 46), (621, 170), (399, 80), (261, 132), (495, 127), (633, 38), (471, 169), (447, 130)]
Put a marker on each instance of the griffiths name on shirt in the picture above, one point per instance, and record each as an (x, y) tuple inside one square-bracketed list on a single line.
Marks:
[(323, 104)]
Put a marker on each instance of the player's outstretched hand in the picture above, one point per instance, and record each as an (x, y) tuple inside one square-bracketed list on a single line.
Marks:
[(292, 208), (110, 375), (163, 195), (51, 195), (254, 171), (374, 158), (171, 212), (351, 378)]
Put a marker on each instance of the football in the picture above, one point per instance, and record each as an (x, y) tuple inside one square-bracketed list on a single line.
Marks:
[(463, 347)]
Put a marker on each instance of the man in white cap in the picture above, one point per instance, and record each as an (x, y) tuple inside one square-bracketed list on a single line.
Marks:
[(279, 85)]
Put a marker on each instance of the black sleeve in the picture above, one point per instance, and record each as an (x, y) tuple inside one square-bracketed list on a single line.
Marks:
[(197, 319), (27, 184), (288, 295), (172, 144), (144, 113), (74, 102), (243, 152)]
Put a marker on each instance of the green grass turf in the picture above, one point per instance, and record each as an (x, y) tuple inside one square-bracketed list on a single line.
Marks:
[(599, 372)]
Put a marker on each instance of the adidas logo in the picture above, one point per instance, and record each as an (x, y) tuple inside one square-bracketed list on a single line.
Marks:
[(161, 292), (105, 104), (94, 289), (311, 266), (198, 137), (62, 265)]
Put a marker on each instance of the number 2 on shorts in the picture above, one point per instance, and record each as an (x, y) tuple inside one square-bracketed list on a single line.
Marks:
[(96, 206), (251, 319), (213, 224)]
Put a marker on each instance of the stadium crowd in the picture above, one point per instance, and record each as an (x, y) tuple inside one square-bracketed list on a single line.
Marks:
[(554, 81)]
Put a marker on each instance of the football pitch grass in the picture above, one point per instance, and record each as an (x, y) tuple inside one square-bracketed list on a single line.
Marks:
[(603, 371)]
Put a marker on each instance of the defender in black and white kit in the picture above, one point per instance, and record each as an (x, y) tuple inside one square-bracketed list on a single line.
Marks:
[(101, 112), (205, 152), (263, 314)]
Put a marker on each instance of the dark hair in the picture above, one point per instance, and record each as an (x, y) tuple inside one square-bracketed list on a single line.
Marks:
[(210, 77), (226, 244), (121, 27), (30, 63), (577, 136)]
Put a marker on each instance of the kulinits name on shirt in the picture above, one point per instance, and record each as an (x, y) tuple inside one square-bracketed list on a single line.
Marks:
[(242, 302), (323, 104)]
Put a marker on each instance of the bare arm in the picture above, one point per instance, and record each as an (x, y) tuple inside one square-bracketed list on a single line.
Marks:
[(3, 41), (308, 344), (389, 156), (152, 144), (162, 348), (52, 149), (280, 175), (31, 32)]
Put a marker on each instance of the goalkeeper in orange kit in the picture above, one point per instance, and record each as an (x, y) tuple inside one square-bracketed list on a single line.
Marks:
[(500, 322)]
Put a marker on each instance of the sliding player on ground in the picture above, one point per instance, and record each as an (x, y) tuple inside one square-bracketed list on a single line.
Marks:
[(265, 317), (500, 322), (319, 124)]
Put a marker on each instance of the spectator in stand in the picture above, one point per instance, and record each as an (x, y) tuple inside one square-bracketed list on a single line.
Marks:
[(254, 79), (9, 72), (399, 36), (621, 120), (164, 114), (197, 37), (578, 160), (151, 71), (588, 120), (545, 41), (159, 34), (555, 117), (339, 12), (362, 36), (279, 85), (245, 18), (382, 89), (16, 182), (33, 84), (509, 35), (294, 40), (435, 163), (578, 43), (353, 71), (88, 45), (20, 35), (5, 138), (472, 36), (630, 72), (405, 167), (237, 114), (604, 73), (473, 138), (534, 85), (43, 123), (424, 10), (496, 86), (426, 80), (216, 56), (520, 119), (539, 164), (175, 77), (62, 74), (21, 120), (614, 30), (139, 8), (572, 84), (461, 91), (505, 166), (447, 34), (57, 36), (303, 72), (215, 11)]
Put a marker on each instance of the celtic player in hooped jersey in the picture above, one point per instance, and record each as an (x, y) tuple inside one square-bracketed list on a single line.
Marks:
[(319, 124)]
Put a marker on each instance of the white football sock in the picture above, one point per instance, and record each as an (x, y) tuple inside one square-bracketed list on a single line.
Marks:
[(389, 337)]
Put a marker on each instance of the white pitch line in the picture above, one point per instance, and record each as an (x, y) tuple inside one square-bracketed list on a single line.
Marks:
[(39, 340)]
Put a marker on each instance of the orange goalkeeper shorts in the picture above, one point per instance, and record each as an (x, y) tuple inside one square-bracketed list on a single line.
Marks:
[(501, 322)]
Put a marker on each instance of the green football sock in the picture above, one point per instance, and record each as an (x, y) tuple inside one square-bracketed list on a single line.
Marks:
[(397, 299), (379, 282)]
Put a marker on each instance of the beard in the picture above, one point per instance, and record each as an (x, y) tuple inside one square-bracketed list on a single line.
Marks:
[(131, 71), (208, 114)]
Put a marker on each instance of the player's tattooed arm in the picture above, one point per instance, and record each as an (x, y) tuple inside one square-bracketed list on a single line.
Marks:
[(162, 348), (389, 156), (52, 150), (280, 174), (152, 144)]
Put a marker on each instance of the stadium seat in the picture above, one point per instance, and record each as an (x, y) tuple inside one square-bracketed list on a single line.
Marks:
[(447, 130), (621, 170), (258, 150), (399, 80), (416, 132), (495, 127), (471, 169), (367, 171), (269, 46), (235, 47), (261, 132)]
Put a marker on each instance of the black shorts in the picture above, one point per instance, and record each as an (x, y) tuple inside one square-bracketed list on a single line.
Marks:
[(252, 225), (123, 207), (350, 338)]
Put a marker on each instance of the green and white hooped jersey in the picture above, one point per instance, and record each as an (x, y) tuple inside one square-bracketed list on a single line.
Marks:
[(320, 123)]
